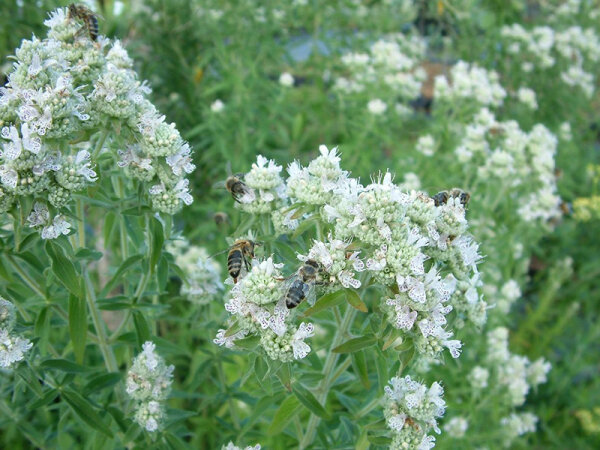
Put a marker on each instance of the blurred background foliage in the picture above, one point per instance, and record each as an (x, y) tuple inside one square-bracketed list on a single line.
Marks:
[(191, 58)]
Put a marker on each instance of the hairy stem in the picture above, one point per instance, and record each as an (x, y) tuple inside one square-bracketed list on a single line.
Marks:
[(99, 325), (90, 296)]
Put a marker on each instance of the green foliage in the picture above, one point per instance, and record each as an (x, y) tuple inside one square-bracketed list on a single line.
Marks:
[(88, 301)]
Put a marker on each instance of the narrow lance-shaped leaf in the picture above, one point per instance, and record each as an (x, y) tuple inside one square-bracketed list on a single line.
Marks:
[(85, 411), (309, 401), (359, 363), (327, 301), (157, 239), (142, 329), (286, 412), (355, 301), (78, 326), (356, 344), (64, 269)]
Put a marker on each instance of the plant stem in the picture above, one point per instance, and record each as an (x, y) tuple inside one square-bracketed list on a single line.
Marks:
[(328, 375), (90, 296), (368, 408), (30, 282), (122, 229), (80, 223), (100, 143)]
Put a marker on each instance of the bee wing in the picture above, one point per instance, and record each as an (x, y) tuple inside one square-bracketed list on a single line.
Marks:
[(219, 185), (286, 284), (218, 253), (310, 293)]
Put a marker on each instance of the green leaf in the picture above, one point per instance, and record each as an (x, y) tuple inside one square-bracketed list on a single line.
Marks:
[(102, 381), (114, 305), (126, 265), (309, 401), (107, 229), (64, 269), (85, 411), (42, 324), (247, 343), (379, 440), (405, 358), (157, 239), (327, 301), (304, 225), (78, 326), (175, 442), (359, 363), (297, 126), (285, 376), (142, 330), (356, 344), (31, 379), (354, 300), (286, 412), (46, 399), (28, 241), (162, 272), (233, 329), (86, 253), (64, 365), (382, 372)]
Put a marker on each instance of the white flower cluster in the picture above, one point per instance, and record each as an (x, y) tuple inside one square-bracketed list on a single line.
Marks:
[(527, 96), (232, 446), (12, 347), (338, 263), (469, 83), (543, 47), (426, 145), (266, 189), (67, 86), (456, 427), (403, 232), (517, 424), (148, 384), (258, 307), (391, 65), (514, 372), (523, 161), (314, 185), (411, 411), (419, 251), (202, 275)]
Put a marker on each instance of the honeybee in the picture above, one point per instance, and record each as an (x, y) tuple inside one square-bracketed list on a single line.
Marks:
[(301, 285), (87, 16), (240, 254), (441, 198), (237, 188), (221, 218)]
